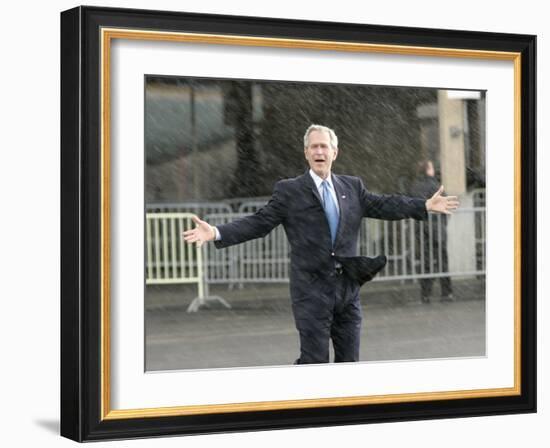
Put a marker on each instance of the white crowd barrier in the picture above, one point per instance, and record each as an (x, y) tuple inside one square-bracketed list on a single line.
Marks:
[(414, 249)]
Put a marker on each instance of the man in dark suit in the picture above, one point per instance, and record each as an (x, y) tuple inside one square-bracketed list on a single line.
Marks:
[(321, 213)]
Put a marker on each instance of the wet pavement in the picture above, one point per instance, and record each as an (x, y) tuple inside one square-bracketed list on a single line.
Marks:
[(259, 329)]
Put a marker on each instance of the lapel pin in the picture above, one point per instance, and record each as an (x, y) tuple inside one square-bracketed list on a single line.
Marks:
[(343, 196)]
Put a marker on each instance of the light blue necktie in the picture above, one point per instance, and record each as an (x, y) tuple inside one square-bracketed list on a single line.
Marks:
[(330, 210)]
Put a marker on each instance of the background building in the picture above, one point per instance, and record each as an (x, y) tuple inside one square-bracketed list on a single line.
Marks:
[(208, 139)]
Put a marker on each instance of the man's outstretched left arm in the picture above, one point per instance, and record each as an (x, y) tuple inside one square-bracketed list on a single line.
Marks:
[(394, 207)]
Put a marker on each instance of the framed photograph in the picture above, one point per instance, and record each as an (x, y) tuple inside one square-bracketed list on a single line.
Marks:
[(273, 223)]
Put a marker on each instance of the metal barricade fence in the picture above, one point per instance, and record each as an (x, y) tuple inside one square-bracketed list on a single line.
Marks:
[(168, 258), (198, 208), (371, 239), (259, 260), (415, 249), (222, 265), (242, 205), (252, 206), (478, 197), (479, 201), (389, 238)]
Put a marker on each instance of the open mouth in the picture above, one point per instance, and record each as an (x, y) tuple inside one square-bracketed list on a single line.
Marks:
[(319, 160)]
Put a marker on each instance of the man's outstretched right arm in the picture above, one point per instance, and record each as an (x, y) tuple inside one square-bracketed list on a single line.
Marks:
[(243, 229)]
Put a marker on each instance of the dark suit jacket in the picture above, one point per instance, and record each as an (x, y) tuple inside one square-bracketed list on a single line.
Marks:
[(296, 205)]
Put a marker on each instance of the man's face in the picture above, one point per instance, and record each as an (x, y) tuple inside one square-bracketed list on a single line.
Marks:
[(319, 153)]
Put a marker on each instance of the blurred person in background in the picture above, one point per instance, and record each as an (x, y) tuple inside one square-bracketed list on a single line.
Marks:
[(434, 234)]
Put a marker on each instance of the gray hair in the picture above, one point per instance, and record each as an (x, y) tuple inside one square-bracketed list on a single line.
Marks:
[(318, 127)]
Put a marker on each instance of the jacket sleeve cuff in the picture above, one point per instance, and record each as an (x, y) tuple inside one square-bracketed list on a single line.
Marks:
[(219, 243), (422, 210), (217, 232)]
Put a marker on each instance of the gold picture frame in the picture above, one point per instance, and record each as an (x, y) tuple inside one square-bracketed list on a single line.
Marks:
[(87, 36)]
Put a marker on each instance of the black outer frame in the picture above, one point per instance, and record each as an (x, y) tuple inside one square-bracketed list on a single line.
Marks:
[(81, 220)]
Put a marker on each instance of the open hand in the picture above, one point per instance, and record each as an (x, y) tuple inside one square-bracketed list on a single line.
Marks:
[(202, 233), (442, 204)]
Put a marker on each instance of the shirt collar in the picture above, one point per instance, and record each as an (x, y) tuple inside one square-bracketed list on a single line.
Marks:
[(319, 180)]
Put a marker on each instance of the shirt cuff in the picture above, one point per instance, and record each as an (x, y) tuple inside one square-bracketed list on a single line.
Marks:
[(218, 236)]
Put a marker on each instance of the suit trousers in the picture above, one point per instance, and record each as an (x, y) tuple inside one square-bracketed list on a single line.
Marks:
[(342, 325)]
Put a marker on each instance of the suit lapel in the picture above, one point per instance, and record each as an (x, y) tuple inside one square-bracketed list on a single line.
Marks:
[(341, 195), (310, 186), (343, 201)]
